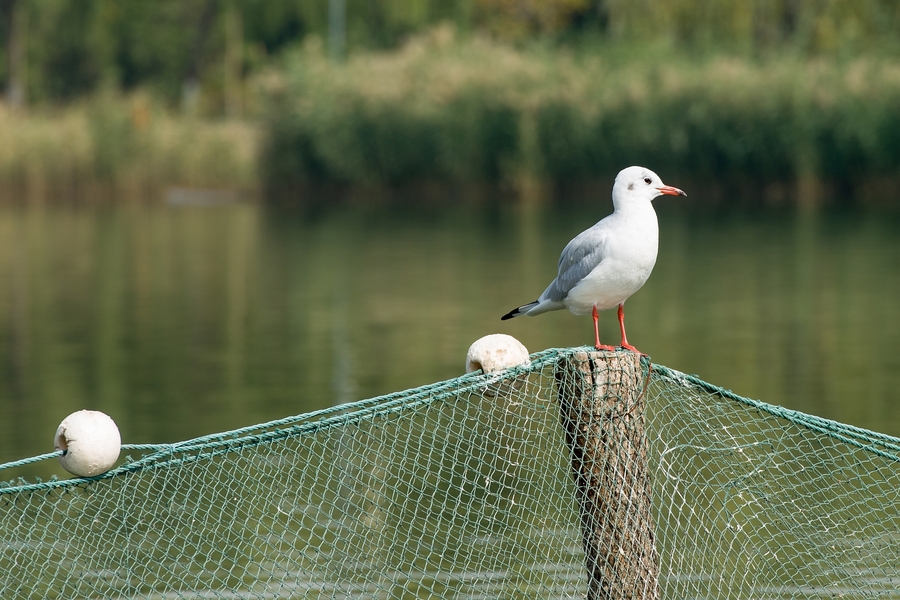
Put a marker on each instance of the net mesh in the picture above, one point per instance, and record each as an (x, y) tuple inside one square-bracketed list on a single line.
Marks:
[(464, 489)]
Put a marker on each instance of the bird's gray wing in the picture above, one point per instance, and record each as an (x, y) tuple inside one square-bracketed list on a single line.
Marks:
[(578, 258)]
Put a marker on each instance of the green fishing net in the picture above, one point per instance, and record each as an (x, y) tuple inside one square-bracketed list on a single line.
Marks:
[(464, 489)]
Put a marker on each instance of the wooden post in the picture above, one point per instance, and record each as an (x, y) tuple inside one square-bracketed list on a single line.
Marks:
[(601, 398)]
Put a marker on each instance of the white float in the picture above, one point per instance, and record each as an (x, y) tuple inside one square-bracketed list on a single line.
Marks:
[(91, 442), (496, 352)]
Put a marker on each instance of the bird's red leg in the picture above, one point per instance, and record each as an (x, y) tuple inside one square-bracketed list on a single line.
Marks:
[(597, 343), (625, 343)]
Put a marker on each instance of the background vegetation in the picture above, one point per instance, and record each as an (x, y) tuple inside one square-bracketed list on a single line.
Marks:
[(481, 111), (123, 149), (797, 97)]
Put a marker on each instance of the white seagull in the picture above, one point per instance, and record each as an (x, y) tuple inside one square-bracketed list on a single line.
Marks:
[(603, 266)]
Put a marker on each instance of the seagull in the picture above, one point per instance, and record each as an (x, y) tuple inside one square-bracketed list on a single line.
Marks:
[(604, 265)]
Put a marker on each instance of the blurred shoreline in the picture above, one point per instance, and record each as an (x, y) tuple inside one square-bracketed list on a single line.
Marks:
[(442, 118)]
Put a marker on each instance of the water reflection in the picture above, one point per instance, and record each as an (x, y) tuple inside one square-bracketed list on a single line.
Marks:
[(184, 320)]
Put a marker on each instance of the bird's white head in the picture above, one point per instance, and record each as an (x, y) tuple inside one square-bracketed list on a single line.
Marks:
[(638, 185)]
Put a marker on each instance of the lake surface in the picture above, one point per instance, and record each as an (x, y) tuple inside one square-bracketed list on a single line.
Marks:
[(185, 320)]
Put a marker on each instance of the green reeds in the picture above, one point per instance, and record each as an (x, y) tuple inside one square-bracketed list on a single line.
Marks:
[(446, 111), (474, 111), (116, 147)]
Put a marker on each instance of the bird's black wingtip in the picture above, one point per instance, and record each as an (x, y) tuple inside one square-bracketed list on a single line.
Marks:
[(517, 311)]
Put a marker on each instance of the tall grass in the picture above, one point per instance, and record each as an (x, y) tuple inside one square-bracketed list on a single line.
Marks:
[(116, 147), (449, 111), (477, 111)]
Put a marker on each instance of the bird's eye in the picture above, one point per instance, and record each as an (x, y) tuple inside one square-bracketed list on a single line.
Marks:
[(647, 180)]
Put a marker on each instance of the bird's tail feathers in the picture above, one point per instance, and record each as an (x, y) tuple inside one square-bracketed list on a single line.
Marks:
[(518, 312)]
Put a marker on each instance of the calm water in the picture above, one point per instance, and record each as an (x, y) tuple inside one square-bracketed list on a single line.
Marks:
[(181, 321)]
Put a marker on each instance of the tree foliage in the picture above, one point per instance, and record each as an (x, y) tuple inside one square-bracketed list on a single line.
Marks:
[(75, 47)]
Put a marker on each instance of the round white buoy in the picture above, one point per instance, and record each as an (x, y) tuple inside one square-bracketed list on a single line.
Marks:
[(496, 352), (91, 441)]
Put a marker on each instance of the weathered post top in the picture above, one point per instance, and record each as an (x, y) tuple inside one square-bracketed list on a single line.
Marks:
[(601, 398)]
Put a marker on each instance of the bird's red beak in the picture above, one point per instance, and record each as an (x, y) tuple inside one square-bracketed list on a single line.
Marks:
[(671, 191)]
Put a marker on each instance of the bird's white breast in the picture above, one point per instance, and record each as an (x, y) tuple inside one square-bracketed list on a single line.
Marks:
[(628, 258)]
